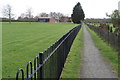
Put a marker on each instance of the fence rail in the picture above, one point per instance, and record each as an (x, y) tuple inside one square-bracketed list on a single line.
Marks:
[(111, 38), (50, 62)]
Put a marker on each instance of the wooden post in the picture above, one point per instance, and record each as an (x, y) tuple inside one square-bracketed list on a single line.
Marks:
[(41, 58)]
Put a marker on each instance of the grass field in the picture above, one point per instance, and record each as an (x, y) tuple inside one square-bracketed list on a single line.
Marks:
[(23, 41), (109, 53), (73, 62)]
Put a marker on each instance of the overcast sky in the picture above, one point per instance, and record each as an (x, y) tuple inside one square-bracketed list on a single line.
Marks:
[(92, 8)]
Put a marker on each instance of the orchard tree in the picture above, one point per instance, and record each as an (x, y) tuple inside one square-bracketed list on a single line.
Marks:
[(7, 12), (78, 14)]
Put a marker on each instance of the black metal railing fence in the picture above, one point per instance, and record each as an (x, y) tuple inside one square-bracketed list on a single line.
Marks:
[(49, 64)]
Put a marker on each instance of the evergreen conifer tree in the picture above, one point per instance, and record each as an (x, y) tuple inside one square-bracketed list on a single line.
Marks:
[(78, 14)]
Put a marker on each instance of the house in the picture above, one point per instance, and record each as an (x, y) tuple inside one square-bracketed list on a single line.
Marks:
[(46, 19)]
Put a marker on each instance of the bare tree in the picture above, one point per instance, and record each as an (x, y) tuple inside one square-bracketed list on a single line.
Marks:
[(7, 11), (29, 14)]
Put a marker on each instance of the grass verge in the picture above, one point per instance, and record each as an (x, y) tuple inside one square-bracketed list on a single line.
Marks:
[(0, 50), (73, 62), (108, 53)]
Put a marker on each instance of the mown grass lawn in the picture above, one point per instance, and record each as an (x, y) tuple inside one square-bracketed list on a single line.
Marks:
[(23, 41), (108, 52)]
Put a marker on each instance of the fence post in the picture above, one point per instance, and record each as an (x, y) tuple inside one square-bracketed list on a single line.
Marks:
[(35, 67), (41, 58)]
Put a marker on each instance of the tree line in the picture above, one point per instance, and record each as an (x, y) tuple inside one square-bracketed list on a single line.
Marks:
[(77, 16), (28, 15), (56, 15)]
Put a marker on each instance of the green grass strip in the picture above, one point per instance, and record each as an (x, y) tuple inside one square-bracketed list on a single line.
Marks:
[(0, 50), (73, 62), (108, 52)]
